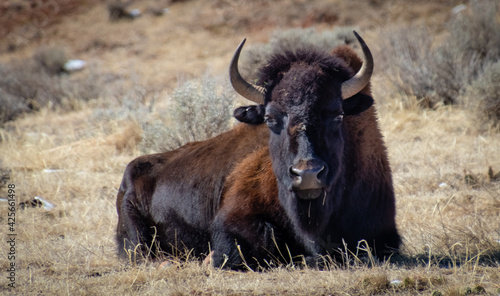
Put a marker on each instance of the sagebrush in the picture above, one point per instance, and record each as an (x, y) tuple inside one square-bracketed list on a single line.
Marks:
[(440, 72), (199, 110), (483, 95)]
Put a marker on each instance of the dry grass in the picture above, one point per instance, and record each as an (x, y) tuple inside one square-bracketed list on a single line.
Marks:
[(448, 206)]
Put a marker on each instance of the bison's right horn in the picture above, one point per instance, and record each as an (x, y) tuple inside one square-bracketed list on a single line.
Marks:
[(247, 90), (361, 79)]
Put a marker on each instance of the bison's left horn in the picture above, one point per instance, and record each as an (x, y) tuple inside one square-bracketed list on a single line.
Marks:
[(247, 90), (361, 79)]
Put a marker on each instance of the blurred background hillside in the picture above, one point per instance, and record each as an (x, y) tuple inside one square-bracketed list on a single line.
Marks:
[(137, 49)]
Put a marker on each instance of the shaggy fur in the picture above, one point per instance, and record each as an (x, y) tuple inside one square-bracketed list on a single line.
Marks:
[(233, 191), (174, 195)]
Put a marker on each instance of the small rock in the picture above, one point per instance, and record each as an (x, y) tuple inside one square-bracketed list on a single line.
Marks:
[(74, 65), (46, 205), (459, 8), (134, 13), (396, 282)]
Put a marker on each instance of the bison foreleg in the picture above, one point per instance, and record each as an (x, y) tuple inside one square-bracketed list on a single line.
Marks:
[(250, 242)]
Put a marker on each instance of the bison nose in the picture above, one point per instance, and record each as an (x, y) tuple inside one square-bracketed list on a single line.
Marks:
[(308, 174)]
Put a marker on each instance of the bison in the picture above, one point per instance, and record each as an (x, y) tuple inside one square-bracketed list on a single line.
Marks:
[(306, 174)]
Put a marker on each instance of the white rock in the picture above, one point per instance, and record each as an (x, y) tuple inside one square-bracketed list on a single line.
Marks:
[(46, 205), (396, 282), (74, 65), (459, 8), (135, 13), (52, 170)]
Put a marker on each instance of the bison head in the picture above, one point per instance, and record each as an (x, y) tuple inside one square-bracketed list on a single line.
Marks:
[(306, 96)]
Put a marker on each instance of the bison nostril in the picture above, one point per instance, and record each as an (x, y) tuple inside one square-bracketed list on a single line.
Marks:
[(296, 175), (322, 172), (315, 172), (294, 172)]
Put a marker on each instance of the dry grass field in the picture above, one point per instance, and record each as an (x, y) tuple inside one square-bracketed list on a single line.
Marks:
[(445, 160)]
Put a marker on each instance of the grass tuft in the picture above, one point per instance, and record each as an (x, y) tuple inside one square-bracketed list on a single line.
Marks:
[(375, 284)]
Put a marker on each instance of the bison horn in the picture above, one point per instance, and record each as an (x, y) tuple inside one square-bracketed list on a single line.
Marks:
[(361, 79), (247, 90)]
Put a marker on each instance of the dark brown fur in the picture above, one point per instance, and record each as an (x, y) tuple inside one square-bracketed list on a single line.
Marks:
[(175, 194), (225, 191)]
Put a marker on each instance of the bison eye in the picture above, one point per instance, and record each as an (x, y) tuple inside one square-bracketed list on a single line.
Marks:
[(271, 121), (274, 124), (339, 118)]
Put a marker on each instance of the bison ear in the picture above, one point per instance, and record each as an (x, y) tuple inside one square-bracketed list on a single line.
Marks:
[(357, 104), (250, 114)]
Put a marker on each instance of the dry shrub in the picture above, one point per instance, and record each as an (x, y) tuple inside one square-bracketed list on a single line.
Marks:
[(439, 74), (26, 86), (30, 84), (11, 106), (472, 46), (475, 33), (51, 59), (255, 56), (408, 61), (484, 95), (199, 110)]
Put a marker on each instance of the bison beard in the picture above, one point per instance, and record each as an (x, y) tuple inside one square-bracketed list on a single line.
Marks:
[(313, 180)]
